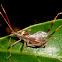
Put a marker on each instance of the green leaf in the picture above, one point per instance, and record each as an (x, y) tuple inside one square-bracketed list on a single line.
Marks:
[(52, 53)]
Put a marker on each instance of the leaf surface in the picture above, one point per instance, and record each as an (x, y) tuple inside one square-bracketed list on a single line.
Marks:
[(52, 53)]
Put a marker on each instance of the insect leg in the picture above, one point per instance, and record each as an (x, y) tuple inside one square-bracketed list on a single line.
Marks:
[(54, 21), (41, 44), (51, 34), (11, 47), (34, 44), (9, 39), (30, 28), (25, 45), (26, 49)]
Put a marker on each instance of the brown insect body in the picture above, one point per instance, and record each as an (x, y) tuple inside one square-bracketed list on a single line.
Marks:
[(35, 39)]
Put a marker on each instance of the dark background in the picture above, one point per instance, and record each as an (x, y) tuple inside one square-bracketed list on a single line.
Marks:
[(24, 13)]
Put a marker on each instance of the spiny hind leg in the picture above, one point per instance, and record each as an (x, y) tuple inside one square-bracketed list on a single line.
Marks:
[(52, 34), (54, 21), (11, 47), (45, 45)]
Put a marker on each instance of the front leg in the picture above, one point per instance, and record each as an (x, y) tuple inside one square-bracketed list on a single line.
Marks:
[(11, 47), (9, 39), (26, 49)]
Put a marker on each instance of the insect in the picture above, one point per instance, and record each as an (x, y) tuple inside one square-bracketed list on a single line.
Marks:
[(35, 39)]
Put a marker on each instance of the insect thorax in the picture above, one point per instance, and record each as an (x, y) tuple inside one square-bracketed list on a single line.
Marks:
[(39, 36)]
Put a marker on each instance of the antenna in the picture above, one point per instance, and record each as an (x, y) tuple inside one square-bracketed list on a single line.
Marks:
[(6, 15), (6, 22), (7, 19)]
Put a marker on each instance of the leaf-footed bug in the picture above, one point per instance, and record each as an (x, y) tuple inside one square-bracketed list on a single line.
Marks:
[(31, 39)]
